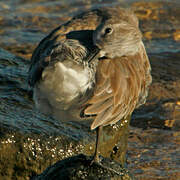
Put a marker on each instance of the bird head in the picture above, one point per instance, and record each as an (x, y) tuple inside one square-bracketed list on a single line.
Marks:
[(117, 36)]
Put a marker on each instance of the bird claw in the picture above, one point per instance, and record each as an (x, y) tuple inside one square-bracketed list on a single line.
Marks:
[(95, 160)]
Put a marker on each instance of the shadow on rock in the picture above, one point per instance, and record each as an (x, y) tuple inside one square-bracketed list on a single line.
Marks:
[(80, 167)]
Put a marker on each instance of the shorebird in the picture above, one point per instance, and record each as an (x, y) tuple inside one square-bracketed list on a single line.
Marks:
[(94, 66)]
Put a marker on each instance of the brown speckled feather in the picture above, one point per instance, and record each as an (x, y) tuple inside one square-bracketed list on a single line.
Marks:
[(122, 85), (84, 21)]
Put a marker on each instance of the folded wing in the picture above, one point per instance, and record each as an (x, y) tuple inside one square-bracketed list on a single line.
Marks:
[(122, 85)]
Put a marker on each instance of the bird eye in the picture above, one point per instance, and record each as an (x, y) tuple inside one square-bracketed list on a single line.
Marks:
[(108, 30)]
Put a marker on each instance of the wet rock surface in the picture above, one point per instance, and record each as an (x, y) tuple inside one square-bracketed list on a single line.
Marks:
[(30, 141)]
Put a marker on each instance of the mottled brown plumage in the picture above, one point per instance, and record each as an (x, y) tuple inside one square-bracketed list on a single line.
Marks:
[(112, 88)]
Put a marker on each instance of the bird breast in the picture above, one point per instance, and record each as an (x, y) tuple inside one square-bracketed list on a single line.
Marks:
[(63, 83)]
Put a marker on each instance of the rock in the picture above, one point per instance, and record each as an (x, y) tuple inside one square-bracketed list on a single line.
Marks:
[(80, 167), (31, 141)]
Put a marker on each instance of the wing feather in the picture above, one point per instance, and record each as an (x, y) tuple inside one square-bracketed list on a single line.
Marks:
[(87, 21), (102, 118), (127, 80), (99, 98), (98, 107)]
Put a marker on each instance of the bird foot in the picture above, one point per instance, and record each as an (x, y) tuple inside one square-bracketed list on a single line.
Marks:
[(100, 161), (96, 160)]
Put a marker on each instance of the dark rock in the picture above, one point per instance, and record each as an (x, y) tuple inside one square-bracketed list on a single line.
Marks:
[(80, 167)]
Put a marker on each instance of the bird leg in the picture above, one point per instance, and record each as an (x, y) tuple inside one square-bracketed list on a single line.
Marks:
[(98, 136)]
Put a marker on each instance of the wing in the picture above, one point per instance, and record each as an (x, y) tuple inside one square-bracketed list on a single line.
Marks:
[(80, 27), (122, 85)]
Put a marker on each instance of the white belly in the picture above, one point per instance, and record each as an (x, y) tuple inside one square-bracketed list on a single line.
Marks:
[(62, 89)]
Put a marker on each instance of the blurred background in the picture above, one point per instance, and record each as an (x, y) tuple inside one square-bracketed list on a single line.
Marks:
[(24, 22), (154, 140)]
